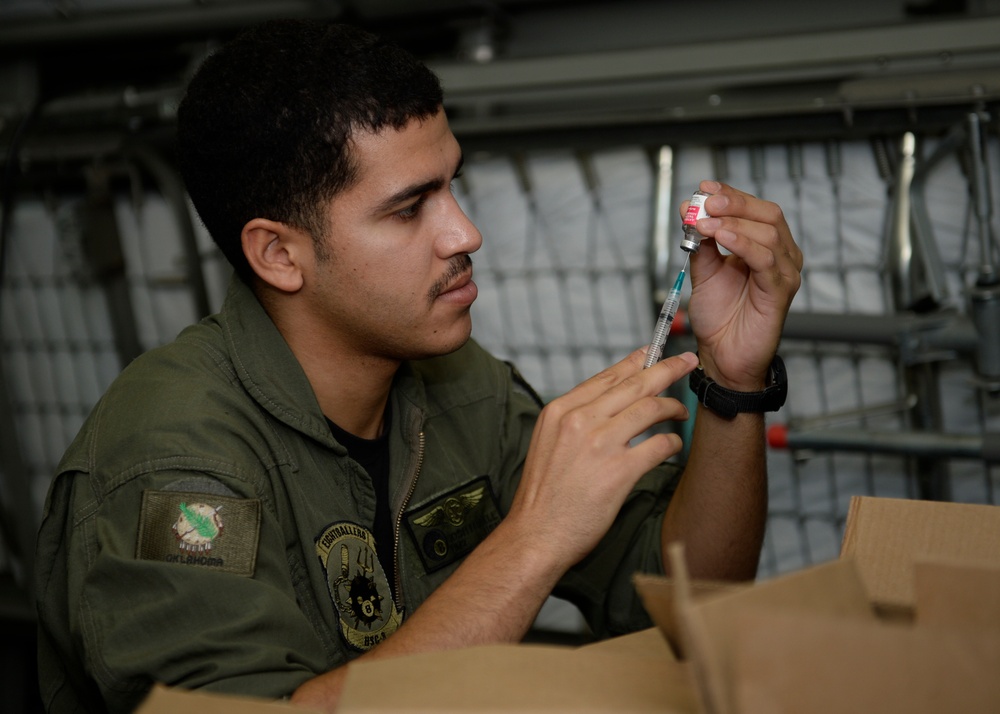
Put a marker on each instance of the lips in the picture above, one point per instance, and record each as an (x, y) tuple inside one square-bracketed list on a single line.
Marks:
[(461, 291), (463, 280)]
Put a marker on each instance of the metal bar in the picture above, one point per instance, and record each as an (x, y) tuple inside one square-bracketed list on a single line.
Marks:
[(984, 296), (915, 444), (191, 17), (900, 242), (794, 57), (659, 243), (173, 191), (922, 234), (17, 508), (103, 250), (981, 196), (940, 331), (923, 380)]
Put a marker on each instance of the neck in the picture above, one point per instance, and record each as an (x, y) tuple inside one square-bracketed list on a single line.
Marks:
[(352, 393), (352, 387)]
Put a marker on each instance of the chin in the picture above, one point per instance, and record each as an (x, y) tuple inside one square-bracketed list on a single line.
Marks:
[(446, 344)]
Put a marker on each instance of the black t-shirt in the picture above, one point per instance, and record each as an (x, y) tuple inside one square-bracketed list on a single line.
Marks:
[(373, 455)]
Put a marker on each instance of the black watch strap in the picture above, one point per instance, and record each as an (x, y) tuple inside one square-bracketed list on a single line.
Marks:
[(728, 403)]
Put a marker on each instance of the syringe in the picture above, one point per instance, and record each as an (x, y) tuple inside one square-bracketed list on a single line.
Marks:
[(665, 320), (689, 244)]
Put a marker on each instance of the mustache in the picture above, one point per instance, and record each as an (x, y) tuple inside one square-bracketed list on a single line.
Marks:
[(457, 266)]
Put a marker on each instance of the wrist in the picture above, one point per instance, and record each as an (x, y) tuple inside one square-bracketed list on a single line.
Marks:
[(741, 382), (728, 402)]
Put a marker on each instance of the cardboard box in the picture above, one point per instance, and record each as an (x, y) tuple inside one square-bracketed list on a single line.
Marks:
[(165, 700), (636, 673), (633, 673), (888, 536), (906, 620)]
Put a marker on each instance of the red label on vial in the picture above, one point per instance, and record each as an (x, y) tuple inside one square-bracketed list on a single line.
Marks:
[(696, 210)]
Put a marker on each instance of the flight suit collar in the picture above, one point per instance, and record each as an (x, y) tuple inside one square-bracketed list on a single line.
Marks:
[(270, 372)]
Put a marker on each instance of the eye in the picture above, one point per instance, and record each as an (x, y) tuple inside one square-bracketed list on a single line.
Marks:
[(411, 211)]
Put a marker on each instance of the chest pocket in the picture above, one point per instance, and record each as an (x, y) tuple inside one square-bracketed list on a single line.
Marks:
[(449, 527)]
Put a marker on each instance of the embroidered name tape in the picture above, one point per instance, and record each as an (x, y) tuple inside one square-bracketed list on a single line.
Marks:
[(451, 526), (199, 529)]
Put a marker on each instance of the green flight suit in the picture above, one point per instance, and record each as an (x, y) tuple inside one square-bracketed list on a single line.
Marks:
[(205, 530)]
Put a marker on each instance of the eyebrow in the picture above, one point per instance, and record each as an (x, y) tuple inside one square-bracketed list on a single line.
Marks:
[(419, 189)]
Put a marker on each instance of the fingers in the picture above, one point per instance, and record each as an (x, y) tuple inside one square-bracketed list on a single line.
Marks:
[(726, 200), (613, 407), (655, 450), (625, 382), (752, 229)]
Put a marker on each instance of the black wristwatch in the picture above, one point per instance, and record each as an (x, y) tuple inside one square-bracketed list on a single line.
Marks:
[(727, 403)]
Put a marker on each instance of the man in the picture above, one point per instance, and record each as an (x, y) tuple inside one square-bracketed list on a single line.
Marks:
[(330, 468)]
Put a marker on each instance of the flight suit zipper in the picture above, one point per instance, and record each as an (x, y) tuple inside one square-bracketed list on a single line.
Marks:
[(399, 519)]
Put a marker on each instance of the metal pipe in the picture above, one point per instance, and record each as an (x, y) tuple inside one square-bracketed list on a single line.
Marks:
[(18, 519), (659, 244), (951, 331), (102, 248), (931, 273), (749, 62), (173, 191), (189, 18), (922, 444), (981, 195), (984, 297), (900, 242), (985, 306)]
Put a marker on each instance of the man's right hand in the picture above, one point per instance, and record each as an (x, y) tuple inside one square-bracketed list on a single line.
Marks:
[(581, 464)]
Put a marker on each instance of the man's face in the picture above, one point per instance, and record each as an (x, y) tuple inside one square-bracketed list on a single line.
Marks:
[(398, 280)]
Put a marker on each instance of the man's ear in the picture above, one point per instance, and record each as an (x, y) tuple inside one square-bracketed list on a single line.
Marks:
[(275, 252)]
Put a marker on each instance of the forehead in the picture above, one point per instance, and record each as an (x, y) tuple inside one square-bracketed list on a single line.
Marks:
[(420, 150)]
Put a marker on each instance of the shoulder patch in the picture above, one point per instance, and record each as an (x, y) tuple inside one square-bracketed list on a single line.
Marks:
[(197, 529), (450, 526)]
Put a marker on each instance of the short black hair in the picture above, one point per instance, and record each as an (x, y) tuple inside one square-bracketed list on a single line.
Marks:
[(264, 127)]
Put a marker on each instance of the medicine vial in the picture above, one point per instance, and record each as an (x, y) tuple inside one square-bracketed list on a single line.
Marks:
[(691, 241)]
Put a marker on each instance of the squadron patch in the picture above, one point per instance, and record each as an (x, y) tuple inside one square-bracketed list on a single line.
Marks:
[(357, 584), (199, 529), (449, 527)]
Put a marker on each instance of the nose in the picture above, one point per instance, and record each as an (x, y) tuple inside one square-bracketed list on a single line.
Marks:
[(462, 235)]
